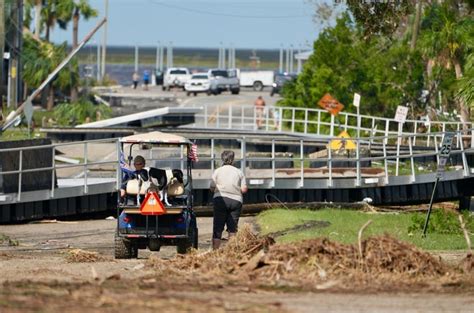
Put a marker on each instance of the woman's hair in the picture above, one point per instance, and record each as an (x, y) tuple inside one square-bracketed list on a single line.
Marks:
[(139, 159), (227, 157)]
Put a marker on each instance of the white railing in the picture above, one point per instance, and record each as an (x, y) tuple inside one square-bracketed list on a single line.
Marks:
[(387, 153), (322, 123), (85, 165)]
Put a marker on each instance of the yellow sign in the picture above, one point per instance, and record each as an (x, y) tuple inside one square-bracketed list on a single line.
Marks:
[(338, 144), (13, 72), (330, 104)]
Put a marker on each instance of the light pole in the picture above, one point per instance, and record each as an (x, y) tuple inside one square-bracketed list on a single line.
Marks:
[(104, 44)]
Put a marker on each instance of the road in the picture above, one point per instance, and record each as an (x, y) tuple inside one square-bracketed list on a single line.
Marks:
[(37, 276)]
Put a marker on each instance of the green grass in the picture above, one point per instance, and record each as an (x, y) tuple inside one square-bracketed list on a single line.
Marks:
[(345, 225), (19, 134)]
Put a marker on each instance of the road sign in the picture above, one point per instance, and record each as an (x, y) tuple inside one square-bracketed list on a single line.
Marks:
[(445, 149), (338, 144), (401, 114), (330, 104), (444, 152), (28, 110), (152, 205), (356, 100)]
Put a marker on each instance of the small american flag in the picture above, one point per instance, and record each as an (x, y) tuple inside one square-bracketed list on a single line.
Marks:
[(124, 165), (193, 155)]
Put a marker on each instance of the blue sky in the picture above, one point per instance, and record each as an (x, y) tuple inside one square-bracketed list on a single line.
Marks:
[(256, 24)]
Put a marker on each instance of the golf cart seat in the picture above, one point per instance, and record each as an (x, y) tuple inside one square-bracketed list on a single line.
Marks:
[(175, 188), (133, 187)]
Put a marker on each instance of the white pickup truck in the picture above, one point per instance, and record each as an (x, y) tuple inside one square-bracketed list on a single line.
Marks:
[(256, 79), (176, 77), (223, 80)]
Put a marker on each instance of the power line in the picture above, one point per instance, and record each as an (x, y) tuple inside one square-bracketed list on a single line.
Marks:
[(227, 14)]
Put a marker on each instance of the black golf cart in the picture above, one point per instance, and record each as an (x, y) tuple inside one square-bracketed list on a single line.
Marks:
[(154, 217)]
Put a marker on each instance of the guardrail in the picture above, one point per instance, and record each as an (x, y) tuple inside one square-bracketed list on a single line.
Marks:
[(394, 156), (393, 150), (85, 164), (322, 123)]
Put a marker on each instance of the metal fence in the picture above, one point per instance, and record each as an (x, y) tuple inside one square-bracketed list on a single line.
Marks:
[(380, 160), (322, 123)]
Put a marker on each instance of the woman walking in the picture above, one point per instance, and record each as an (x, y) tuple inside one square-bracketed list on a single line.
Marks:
[(228, 184)]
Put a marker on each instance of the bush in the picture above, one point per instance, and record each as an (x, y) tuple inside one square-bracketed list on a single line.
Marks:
[(70, 114), (442, 222)]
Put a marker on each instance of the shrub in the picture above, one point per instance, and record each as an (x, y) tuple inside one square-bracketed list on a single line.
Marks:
[(70, 114), (442, 222)]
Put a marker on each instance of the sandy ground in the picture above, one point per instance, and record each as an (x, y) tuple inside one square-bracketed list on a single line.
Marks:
[(36, 276)]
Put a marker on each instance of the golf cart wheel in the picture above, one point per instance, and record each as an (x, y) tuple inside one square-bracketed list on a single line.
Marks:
[(123, 248), (185, 245), (196, 239)]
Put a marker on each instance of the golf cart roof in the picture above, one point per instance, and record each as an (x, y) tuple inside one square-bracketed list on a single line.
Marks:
[(155, 137)]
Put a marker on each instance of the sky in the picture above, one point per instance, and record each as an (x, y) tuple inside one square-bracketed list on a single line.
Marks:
[(257, 24)]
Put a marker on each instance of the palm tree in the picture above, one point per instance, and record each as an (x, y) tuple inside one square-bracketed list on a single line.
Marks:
[(40, 59), (446, 40), (50, 16), (73, 10)]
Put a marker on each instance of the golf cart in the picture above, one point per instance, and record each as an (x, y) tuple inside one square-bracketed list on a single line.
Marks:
[(155, 211)]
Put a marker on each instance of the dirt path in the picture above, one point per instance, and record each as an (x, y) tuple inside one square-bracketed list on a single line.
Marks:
[(35, 276)]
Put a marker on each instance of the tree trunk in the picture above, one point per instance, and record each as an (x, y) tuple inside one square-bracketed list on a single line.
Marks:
[(75, 29), (2, 45), (416, 26), (50, 103), (38, 7), (465, 113)]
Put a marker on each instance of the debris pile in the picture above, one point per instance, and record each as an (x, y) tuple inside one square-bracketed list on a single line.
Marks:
[(251, 258), (82, 256)]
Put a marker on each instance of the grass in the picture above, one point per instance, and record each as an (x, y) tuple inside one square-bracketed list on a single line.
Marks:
[(345, 225), (19, 134), (4, 239)]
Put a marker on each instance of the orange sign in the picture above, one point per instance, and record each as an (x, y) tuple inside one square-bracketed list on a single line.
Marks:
[(152, 205), (330, 104)]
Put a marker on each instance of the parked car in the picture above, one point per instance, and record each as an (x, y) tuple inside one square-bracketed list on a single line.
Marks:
[(176, 77), (224, 80), (256, 79), (280, 80), (199, 82)]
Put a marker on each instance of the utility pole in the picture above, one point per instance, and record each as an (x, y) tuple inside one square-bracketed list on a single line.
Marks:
[(162, 57), (98, 62), (19, 45), (104, 43), (2, 47), (136, 58), (281, 60)]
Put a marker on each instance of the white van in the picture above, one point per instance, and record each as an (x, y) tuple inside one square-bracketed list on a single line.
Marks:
[(256, 79)]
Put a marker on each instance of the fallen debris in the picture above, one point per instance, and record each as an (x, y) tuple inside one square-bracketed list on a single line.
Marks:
[(82, 256), (316, 263)]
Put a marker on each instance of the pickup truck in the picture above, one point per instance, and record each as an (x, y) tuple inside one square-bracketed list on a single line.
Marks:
[(224, 80), (256, 79), (176, 77)]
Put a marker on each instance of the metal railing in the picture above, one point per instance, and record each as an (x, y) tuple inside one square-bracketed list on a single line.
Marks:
[(392, 156), (322, 123), (85, 164), (395, 156)]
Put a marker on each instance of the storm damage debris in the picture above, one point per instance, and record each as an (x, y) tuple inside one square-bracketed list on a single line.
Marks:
[(317, 263), (82, 256)]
